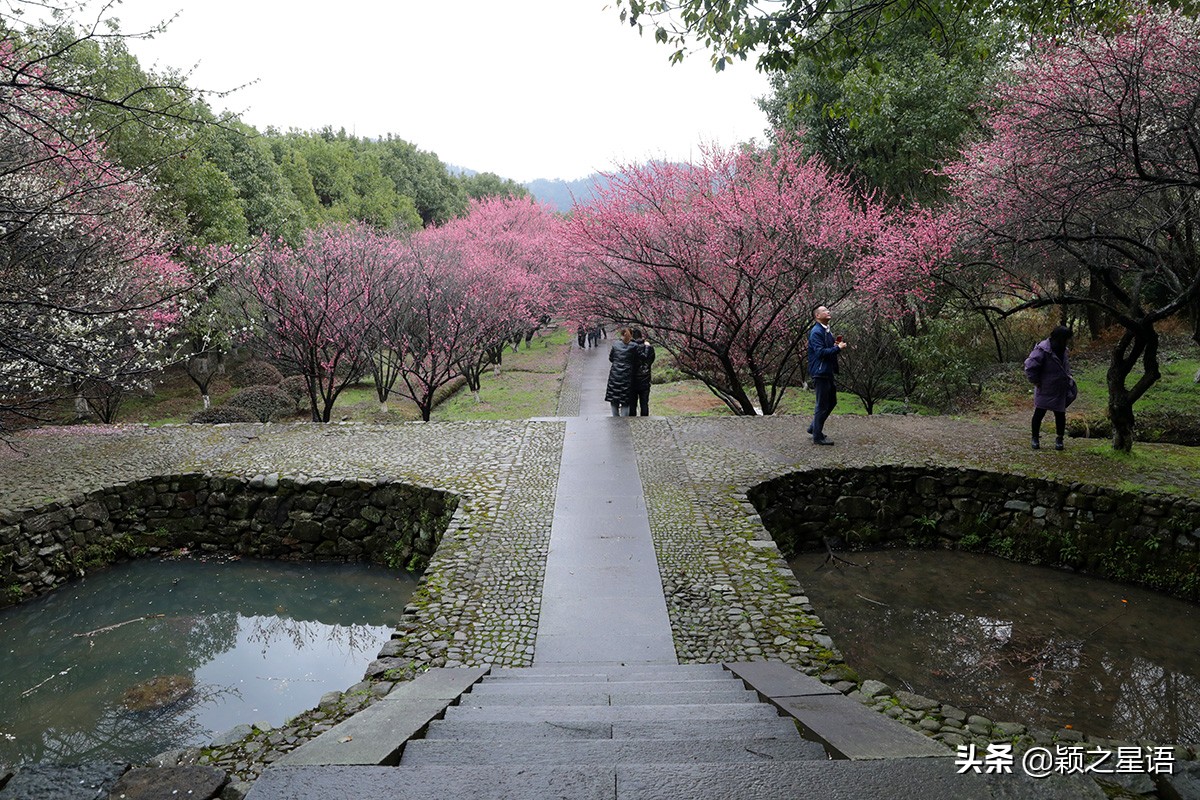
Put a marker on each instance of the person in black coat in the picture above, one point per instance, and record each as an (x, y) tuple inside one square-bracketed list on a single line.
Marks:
[(643, 358), (620, 374)]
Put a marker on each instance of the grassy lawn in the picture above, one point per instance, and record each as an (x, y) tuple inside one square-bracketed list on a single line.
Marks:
[(1174, 390)]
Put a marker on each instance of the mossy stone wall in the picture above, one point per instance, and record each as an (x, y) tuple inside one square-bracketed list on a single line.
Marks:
[(1146, 539), (266, 516)]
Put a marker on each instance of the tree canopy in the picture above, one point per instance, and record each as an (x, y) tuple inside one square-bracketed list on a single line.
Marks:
[(1087, 191), (780, 33)]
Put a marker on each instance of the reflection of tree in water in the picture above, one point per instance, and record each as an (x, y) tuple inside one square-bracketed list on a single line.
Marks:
[(355, 640), (1052, 677), (209, 635), (118, 733), (96, 638), (1149, 699), (1013, 643), (982, 647)]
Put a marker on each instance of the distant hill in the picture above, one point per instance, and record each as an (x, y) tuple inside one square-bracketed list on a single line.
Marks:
[(560, 194)]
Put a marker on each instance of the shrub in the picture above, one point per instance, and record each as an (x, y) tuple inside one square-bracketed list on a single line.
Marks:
[(266, 403), (295, 386), (256, 373), (943, 362), (220, 414)]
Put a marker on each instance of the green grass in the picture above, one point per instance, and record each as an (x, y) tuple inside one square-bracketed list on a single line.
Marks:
[(528, 385), (801, 403), (1173, 391), (1150, 467), (685, 398), (512, 394), (175, 399)]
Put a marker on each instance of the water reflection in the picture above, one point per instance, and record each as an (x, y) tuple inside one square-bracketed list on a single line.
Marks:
[(1015, 642), (261, 641)]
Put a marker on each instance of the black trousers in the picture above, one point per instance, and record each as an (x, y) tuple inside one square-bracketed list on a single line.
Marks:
[(640, 397), (826, 391), (1060, 422)]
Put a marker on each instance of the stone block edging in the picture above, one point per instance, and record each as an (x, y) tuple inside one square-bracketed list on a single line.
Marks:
[(262, 516)]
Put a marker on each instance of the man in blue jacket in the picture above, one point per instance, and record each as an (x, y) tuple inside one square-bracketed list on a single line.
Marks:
[(823, 351)]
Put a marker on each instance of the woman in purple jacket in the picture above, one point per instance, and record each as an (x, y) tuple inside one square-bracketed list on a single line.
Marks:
[(1054, 389)]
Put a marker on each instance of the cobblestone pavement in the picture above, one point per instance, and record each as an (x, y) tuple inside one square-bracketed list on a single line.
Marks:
[(729, 594)]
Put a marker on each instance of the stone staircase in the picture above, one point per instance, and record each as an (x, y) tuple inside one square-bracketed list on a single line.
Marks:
[(603, 732), (631, 715)]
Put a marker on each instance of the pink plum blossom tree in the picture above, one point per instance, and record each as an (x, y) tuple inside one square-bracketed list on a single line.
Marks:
[(1087, 192), (509, 248), (314, 305), (723, 260)]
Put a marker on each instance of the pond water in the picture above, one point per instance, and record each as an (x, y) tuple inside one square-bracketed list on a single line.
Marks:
[(1015, 643), (254, 641)]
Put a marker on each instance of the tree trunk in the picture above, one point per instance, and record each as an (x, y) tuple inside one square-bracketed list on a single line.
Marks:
[(1136, 344), (383, 408), (1120, 411), (207, 401)]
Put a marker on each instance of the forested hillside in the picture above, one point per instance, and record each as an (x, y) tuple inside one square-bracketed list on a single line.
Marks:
[(226, 181)]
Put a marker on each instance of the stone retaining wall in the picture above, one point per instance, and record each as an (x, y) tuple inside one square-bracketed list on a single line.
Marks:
[(1145, 539), (266, 516)]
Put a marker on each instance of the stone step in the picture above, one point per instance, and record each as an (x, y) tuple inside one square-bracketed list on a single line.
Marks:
[(426, 752), (640, 713), (575, 681), (599, 696), (640, 672), (777, 728), (376, 734), (929, 779)]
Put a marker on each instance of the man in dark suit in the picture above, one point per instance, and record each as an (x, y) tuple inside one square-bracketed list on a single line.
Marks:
[(823, 351)]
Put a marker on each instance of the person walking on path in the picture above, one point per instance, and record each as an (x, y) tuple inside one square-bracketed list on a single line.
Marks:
[(823, 351), (581, 335), (1049, 369), (643, 358), (620, 374)]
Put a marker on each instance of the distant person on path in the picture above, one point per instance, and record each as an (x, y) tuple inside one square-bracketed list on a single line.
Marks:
[(1054, 389), (643, 358), (581, 334), (823, 351), (620, 374)]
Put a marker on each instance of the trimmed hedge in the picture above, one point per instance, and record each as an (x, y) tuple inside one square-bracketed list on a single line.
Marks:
[(222, 414), (256, 373), (296, 387), (266, 403)]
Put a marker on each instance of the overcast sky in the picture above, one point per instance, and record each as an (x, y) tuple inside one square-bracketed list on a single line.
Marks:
[(526, 89)]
